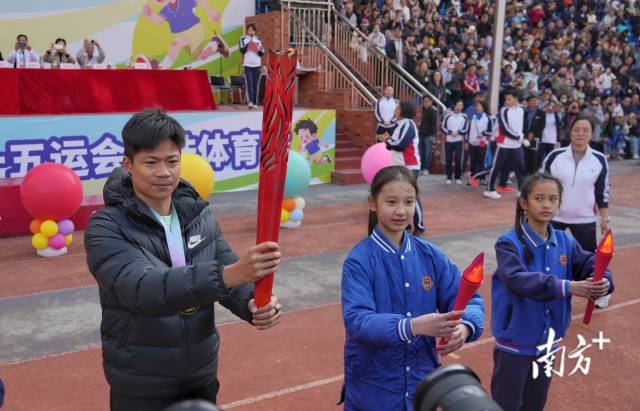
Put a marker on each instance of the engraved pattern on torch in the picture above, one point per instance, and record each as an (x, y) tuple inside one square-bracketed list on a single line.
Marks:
[(276, 130), (278, 108)]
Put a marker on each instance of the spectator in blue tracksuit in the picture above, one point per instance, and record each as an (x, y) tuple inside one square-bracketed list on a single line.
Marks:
[(397, 294), (539, 269)]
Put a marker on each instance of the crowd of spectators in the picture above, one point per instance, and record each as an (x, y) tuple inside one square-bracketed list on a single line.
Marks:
[(580, 55)]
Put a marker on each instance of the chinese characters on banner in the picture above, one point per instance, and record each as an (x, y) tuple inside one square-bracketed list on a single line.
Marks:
[(238, 150), (555, 355)]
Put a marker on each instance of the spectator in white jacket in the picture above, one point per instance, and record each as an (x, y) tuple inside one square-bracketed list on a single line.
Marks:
[(584, 173), (509, 155)]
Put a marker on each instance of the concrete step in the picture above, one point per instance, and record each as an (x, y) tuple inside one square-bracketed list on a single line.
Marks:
[(344, 143), (347, 176), (348, 162), (349, 152)]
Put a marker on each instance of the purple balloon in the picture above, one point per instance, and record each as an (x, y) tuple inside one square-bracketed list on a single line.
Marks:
[(66, 227), (57, 242)]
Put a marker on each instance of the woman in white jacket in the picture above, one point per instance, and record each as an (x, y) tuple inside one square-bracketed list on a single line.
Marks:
[(584, 173)]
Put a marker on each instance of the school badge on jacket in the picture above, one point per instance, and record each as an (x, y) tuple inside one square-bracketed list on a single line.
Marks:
[(427, 282), (563, 260)]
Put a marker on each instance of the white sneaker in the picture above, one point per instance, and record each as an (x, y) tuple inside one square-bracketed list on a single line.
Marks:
[(458, 181), (603, 302), (492, 194), (636, 157), (448, 181), (250, 106)]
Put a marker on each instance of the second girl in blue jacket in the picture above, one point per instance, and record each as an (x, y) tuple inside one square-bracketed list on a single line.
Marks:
[(539, 269)]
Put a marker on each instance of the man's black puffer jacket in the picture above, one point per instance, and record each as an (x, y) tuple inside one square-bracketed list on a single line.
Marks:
[(153, 344)]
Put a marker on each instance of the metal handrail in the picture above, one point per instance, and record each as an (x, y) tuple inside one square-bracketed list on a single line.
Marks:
[(363, 40), (345, 71)]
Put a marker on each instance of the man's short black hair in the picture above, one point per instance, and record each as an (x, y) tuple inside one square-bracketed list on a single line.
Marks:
[(407, 109), (251, 26), (511, 92), (532, 97), (148, 129), (306, 124), (60, 39), (21, 35)]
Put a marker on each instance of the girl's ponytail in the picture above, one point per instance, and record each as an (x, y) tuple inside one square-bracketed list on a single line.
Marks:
[(520, 214), (373, 221)]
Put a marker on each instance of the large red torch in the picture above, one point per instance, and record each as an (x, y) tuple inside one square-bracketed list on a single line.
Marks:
[(604, 253), (471, 280), (274, 153)]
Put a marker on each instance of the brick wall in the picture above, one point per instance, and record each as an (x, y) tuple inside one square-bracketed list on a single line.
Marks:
[(270, 29), (358, 126)]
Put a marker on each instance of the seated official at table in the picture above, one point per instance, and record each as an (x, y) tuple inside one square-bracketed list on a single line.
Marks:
[(22, 52), (57, 54), (87, 56)]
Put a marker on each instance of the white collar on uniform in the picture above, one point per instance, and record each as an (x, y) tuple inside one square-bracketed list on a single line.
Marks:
[(383, 242)]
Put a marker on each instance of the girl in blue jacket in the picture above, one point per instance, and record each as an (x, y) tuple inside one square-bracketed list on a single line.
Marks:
[(397, 294), (539, 269)]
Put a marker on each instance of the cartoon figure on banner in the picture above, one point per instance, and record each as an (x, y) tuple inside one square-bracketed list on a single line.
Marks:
[(188, 30), (298, 178), (310, 143), (51, 193)]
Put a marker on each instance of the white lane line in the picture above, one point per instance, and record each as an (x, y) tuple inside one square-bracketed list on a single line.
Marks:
[(285, 391), (84, 348), (330, 380)]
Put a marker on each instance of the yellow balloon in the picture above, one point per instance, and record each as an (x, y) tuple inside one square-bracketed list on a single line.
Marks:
[(284, 216), (49, 228), (39, 241), (68, 239), (198, 172)]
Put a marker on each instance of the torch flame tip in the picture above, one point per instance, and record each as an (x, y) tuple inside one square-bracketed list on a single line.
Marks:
[(475, 272), (606, 244)]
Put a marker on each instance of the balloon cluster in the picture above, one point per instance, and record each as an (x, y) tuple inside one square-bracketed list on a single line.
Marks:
[(297, 182), (292, 214), (50, 237), (51, 193)]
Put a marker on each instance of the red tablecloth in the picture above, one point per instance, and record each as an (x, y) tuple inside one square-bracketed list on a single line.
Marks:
[(41, 91)]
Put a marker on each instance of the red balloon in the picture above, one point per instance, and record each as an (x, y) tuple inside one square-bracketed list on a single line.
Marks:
[(51, 191)]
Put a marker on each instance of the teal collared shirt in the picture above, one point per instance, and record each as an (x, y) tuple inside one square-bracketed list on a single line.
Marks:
[(173, 233)]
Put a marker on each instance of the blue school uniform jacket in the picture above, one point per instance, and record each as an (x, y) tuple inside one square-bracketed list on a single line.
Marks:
[(528, 299), (384, 287)]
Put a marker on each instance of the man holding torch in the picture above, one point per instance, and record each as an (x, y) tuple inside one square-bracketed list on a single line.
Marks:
[(160, 260)]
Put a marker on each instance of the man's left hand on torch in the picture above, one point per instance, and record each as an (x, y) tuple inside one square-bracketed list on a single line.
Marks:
[(267, 316)]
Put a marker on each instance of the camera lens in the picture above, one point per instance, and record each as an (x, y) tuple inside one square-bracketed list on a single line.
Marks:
[(453, 388)]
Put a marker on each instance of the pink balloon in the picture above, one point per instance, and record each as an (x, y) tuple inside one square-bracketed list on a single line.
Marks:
[(375, 159), (57, 242)]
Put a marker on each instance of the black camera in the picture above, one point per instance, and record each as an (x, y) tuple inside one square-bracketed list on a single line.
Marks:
[(452, 388)]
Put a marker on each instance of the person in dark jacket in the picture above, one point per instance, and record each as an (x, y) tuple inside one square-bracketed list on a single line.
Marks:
[(160, 260), (533, 126), (427, 133)]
